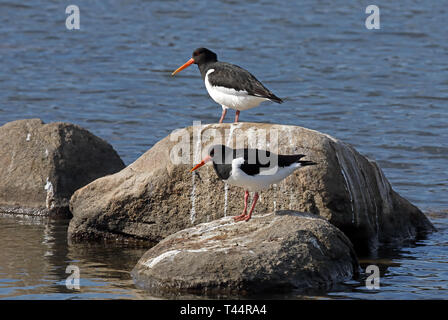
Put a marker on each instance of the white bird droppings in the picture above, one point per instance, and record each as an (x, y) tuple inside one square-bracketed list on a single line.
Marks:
[(50, 194), (151, 263), (193, 198), (226, 193)]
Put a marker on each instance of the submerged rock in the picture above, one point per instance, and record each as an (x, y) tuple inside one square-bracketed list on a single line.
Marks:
[(157, 195), (41, 165), (281, 251)]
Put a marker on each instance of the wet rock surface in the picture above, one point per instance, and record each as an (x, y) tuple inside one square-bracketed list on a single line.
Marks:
[(272, 252), (41, 165)]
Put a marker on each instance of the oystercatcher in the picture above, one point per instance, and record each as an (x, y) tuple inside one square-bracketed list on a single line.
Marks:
[(251, 169), (229, 85)]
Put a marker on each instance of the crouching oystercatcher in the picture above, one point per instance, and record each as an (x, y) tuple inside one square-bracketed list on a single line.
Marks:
[(251, 169), (229, 85)]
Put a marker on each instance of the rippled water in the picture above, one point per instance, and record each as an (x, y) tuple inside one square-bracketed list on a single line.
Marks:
[(35, 256), (384, 91)]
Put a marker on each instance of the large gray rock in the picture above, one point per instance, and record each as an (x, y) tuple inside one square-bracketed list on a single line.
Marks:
[(285, 250), (156, 196), (41, 165)]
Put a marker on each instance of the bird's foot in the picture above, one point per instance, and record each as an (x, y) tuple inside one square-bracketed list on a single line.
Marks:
[(241, 217), (246, 217)]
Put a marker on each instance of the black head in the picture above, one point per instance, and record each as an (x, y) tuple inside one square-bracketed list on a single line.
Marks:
[(219, 153), (203, 55), (221, 156)]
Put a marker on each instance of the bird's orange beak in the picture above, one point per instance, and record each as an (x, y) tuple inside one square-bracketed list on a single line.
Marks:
[(200, 164), (182, 67)]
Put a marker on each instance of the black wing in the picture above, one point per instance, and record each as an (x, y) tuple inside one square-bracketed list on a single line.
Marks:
[(255, 160), (232, 76), (285, 161)]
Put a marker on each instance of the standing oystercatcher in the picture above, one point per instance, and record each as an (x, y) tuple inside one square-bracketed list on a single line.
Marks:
[(229, 85), (251, 169)]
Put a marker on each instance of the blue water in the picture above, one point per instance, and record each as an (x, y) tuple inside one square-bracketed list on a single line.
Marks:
[(384, 91)]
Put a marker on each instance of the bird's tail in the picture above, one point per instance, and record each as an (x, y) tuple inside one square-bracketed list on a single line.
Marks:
[(274, 98), (304, 163)]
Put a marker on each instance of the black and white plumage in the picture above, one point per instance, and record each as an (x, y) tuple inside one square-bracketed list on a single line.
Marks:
[(229, 85), (252, 169)]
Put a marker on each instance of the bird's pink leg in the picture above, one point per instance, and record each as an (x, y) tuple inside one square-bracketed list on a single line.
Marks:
[(243, 215), (224, 111), (254, 202), (237, 115)]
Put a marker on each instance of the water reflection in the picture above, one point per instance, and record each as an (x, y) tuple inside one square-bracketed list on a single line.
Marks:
[(36, 253)]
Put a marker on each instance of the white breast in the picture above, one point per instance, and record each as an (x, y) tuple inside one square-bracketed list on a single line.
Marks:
[(260, 181), (231, 98)]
